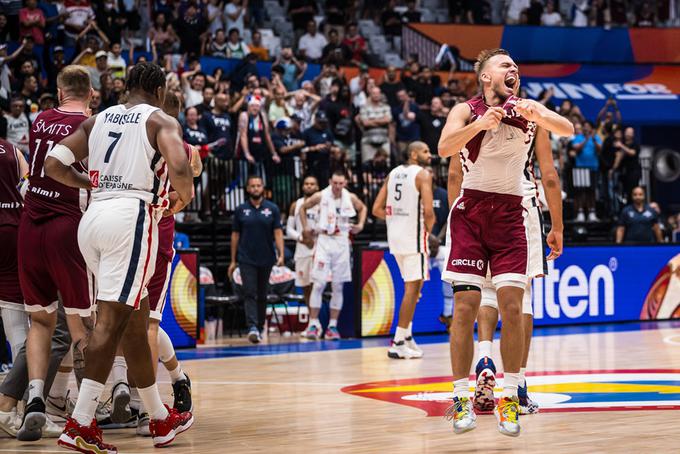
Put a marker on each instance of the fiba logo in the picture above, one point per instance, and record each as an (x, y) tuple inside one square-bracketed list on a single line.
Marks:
[(572, 293)]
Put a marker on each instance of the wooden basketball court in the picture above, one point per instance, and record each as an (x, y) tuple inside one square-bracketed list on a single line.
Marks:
[(611, 388)]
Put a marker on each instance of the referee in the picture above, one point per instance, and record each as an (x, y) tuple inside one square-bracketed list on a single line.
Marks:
[(255, 230)]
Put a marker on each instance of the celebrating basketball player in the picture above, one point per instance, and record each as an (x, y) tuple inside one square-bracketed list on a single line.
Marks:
[(304, 247), (332, 255), (493, 134), (49, 258), (405, 202), (132, 150)]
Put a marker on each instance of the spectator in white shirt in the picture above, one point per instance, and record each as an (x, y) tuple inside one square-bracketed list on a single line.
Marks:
[(116, 62), (192, 83), (79, 13), (550, 17), (514, 11), (312, 43), (580, 11), (234, 14)]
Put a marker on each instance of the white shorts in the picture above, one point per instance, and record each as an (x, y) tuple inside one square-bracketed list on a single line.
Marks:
[(413, 267), (303, 271), (119, 241), (490, 298), (537, 265), (331, 260)]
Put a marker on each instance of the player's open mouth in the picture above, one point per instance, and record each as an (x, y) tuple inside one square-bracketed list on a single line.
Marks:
[(510, 81)]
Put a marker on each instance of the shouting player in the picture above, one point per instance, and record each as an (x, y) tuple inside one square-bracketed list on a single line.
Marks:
[(405, 202), (493, 135), (132, 149)]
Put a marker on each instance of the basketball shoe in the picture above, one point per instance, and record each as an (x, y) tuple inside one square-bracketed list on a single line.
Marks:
[(312, 333), (486, 382), (143, 425), (84, 439), (182, 392), (400, 350), (411, 343), (526, 405), (164, 431), (61, 407), (120, 403), (33, 422), (462, 414), (332, 334), (507, 415)]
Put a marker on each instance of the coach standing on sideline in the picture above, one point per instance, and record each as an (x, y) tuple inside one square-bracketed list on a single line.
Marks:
[(255, 229)]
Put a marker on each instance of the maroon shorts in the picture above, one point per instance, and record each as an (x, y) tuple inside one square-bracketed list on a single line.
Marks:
[(487, 230), (158, 286), (49, 262), (10, 290)]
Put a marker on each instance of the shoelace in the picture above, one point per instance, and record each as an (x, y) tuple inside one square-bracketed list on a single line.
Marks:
[(458, 410), (509, 410)]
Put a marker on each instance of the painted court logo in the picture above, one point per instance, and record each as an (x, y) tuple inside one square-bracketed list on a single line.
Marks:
[(568, 391)]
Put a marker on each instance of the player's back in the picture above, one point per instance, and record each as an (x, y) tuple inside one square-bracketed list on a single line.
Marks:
[(122, 161), (10, 199), (498, 160), (46, 197), (406, 232)]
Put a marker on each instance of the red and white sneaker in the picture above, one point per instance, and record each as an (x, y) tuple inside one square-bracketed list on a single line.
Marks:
[(84, 439), (164, 431)]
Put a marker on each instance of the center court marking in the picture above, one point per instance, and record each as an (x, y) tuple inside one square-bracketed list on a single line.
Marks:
[(673, 339)]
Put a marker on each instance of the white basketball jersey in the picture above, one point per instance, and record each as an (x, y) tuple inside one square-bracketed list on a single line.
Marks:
[(122, 162), (312, 216), (406, 233)]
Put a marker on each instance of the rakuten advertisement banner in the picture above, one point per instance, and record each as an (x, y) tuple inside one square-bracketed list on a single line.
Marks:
[(607, 284)]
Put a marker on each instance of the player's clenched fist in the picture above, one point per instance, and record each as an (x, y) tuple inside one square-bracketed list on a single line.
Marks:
[(529, 109), (492, 118)]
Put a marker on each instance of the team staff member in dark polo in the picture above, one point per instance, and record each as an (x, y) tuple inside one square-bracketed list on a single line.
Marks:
[(255, 230), (638, 222)]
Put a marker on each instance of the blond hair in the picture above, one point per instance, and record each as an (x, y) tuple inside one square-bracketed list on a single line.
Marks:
[(484, 56), (74, 80)]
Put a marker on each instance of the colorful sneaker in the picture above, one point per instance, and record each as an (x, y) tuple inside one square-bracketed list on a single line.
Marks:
[(33, 422), (60, 407), (462, 414), (182, 392), (332, 334), (486, 382), (313, 333), (399, 350), (411, 344), (84, 439), (164, 431), (526, 405), (143, 425), (120, 403), (507, 415)]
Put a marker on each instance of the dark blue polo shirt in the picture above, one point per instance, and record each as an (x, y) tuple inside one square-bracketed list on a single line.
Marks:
[(440, 204), (256, 226), (638, 224)]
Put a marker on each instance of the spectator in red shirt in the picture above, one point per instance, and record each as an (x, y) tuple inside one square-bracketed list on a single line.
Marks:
[(32, 22), (356, 43)]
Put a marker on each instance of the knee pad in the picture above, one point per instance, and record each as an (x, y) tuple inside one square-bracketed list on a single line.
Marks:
[(336, 295), (165, 349), (489, 297), (527, 306)]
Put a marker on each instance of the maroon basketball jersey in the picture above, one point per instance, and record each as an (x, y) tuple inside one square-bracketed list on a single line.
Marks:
[(10, 199), (46, 197)]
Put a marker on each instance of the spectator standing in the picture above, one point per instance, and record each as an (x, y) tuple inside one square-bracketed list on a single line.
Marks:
[(312, 43), (638, 222), (190, 27), (215, 16), (257, 48), (218, 126), (411, 15), (610, 150), (337, 12), (338, 109), (608, 119), (405, 114), (206, 104), (335, 51), (100, 68), (256, 228), (10, 9), (550, 17), (255, 141), (115, 61), (18, 125), (278, 109), (391, 86), (356, 44), (514, 10), (585, 149), (303, 105), (194, 134), (300, 13), (644, 15), (580, 10), (234, 15), (431, 123), (628, 161), (374, 118), (618, 11), (440, 203), (193, 82), (33, 22), (535, 12), (318, 147), (293, 69), (390, 20), (163, 34), (79, 14), (288, 144)]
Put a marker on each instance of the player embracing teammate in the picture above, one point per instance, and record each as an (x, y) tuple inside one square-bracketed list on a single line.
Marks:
[(494, 135)]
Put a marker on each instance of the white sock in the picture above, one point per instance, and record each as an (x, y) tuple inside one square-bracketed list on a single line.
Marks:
[(177, 374), (461, 388), (152, 402), (88, 398), (314, 322), (400, 334), (409, 333), (60, 385), (510, 382), (333, 323), (35, 389), (485, 349), (119, 370), (135, 401), (522, 378)]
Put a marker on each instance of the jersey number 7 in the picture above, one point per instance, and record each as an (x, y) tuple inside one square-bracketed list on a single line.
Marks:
[(116, 137)]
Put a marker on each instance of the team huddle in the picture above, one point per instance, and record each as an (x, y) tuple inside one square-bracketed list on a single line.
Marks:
[(89, 260)]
